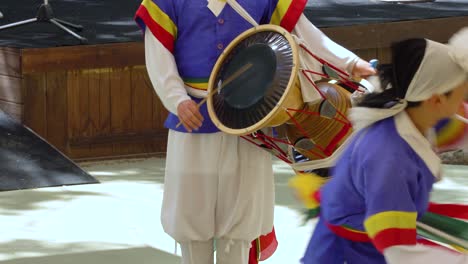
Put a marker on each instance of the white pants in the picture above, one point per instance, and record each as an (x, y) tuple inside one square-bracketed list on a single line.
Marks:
[(216, 186), (227, 252)]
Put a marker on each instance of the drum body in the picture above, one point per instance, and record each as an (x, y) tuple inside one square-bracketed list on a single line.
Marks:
[(255, 85), (320, 128)]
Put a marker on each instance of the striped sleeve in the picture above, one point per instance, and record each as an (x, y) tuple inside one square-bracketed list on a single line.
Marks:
[(388, 188), (451, 131), (286, 13), (159, 17)]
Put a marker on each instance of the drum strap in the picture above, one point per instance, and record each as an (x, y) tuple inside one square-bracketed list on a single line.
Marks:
[(242, 12), (217, 5)]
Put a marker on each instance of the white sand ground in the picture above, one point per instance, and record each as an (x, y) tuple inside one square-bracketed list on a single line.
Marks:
[(117, 221)]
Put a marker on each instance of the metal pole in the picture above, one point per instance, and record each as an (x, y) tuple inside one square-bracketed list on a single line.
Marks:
[(18, 23), (53, 21)]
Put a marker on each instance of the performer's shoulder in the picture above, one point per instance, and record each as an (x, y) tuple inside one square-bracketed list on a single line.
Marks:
[(382, 139)]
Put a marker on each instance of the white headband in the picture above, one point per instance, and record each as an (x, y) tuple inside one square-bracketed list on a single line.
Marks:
[(443, 68), (437, 74)]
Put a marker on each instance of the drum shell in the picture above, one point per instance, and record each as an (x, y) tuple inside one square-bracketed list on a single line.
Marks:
[(292, 100), (323, 133)]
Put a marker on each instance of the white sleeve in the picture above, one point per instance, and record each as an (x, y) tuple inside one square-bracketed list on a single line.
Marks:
[(163, 73), (323, 46), (423, 254)]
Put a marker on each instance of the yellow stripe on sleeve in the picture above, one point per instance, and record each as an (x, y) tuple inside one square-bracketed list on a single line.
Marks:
[(280, 10), (390, 220), (160, 17)]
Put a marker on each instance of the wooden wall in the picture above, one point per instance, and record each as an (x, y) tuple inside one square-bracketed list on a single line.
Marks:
[(93, 101), (11, 94), (97, 101), (374, 40)]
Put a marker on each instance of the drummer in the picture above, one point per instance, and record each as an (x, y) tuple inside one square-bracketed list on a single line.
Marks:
[(380, 187), (217, 186)]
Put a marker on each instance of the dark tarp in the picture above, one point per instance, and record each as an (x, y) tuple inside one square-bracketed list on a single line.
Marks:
[(108, 21)]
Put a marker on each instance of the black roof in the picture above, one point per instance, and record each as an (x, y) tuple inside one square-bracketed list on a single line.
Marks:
[(110, 21)]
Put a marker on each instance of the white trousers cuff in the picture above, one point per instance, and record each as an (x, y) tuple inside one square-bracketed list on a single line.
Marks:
[(230, 251), (197, 252)]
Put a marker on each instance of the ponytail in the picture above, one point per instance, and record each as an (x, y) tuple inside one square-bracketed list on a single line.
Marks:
[(396, 77)]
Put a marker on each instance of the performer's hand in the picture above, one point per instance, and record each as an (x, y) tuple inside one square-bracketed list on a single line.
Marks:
[(189, 115), (363, 69)]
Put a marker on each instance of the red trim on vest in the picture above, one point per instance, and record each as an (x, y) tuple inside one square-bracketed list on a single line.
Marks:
[(291, 17)]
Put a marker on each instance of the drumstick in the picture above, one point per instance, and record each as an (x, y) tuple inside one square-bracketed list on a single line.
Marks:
[(228, 80)]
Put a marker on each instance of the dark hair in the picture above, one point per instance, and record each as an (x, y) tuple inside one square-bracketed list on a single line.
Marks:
[(407, 56)]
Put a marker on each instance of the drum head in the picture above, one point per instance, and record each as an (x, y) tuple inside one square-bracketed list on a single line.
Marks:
[(253, 95)]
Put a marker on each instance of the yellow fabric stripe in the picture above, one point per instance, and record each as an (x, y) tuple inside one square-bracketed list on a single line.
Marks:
[(280, 11), (259, 250), (460, 249), (391, 219), (202, 86), (451, 132), (305, 186), (354, 230), (160, 17)]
